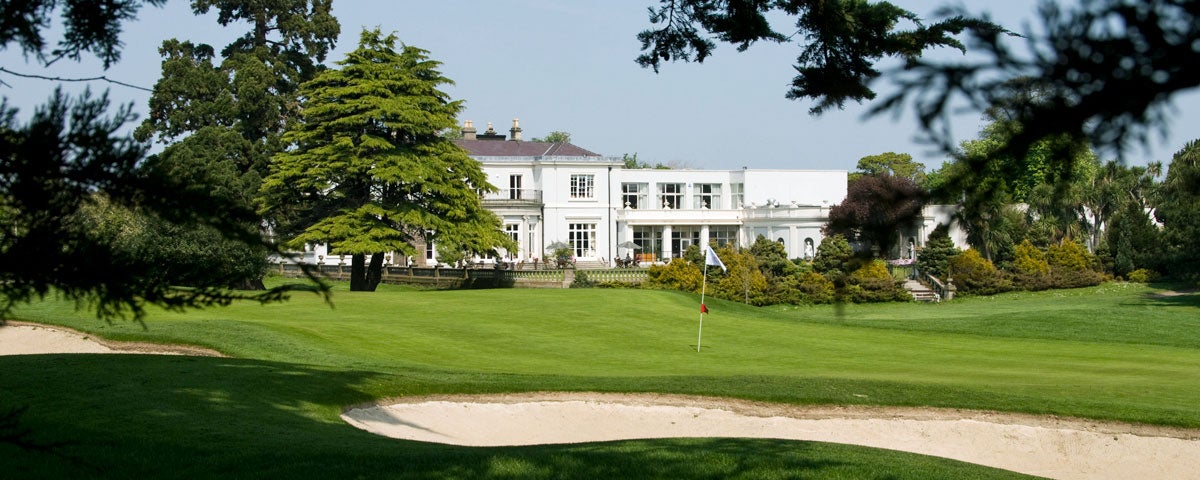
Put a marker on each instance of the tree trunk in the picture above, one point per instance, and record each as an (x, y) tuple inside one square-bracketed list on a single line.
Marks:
[(375, 271), (358, 273), (364, 277)]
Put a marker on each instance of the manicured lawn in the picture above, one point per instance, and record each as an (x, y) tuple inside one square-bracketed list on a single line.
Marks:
[(1112, 352)]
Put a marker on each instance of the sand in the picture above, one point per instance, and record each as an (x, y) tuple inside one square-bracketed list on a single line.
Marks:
[(20, 338), (1039, 445)]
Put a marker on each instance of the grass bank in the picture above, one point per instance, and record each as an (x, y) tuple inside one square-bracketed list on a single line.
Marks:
[(1112, 352)]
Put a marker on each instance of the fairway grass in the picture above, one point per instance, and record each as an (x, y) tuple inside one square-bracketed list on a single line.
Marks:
[(1115, 352)]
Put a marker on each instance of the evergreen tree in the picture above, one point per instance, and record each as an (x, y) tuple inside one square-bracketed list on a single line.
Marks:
[(833, 254), (1178, 208), (368, 172), (934, 259)]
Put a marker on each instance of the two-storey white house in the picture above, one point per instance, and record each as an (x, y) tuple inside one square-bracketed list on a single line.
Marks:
[(557, 194)]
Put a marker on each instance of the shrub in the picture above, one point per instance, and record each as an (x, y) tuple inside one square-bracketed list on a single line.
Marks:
[(873, 283), (677, 275), (973, 274), (582, 281), (815, 288), (743, 282), (1071, 266), (1069, 254), (1029, 260), (1141, 275), (834, 253)]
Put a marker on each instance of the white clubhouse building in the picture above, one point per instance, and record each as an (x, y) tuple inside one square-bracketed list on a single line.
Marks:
[(554, 194), (557, 194)]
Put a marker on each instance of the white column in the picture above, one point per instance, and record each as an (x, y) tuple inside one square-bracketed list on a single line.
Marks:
[(666, 250), (703, 237)]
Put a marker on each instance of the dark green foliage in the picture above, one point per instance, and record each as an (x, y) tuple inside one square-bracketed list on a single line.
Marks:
[(772, 258), (1090, 55), (841, 41), (369, 172), (934, 258), (875, 207), (67, 165), (833, 254), (247, 97), (88, 25), (1178, 208), (1133, 241)]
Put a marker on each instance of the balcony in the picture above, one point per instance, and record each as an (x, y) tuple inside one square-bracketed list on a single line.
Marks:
[(513, 197)]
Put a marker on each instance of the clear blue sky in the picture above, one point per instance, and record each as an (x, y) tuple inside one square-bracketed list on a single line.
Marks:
[(569, 65)]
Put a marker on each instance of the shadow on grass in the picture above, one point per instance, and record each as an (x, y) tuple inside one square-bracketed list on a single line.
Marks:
[(1174, 294), (136, 416)]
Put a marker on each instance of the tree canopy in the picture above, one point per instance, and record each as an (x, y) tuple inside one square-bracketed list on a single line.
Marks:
[(367, 170), (1106, 70), (88, 26), (890, 163), (875, 207), (556, 136), (71, 180)]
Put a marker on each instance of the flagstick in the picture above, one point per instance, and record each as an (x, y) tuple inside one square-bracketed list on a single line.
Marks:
[(703, 286)]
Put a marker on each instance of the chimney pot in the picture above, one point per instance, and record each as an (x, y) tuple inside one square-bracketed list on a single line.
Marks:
[(515, 131), (468, 130)]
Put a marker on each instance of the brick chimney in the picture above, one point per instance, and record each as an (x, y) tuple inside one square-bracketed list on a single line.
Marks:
[(515, 131), (468, 130)]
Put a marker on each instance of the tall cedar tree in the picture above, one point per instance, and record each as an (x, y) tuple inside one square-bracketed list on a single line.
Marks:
[(875, 208), (368, 173)]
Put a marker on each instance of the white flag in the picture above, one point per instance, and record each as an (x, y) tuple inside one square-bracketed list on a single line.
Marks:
[(710, 258)]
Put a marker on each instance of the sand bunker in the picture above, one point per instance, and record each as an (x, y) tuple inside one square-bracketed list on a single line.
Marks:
[(20, 338), (1045, 446)]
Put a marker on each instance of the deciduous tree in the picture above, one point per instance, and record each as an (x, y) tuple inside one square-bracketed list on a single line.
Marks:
[(875, 207)]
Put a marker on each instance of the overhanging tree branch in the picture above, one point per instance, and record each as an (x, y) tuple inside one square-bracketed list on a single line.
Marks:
[(101, 78)]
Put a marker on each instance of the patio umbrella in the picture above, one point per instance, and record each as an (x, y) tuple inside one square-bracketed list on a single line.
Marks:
[(629, 244), (557, 245)]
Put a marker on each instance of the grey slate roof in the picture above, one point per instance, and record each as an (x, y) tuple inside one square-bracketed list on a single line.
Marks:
[(520, 148)]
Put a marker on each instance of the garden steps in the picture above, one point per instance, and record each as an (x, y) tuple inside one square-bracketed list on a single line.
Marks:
[(920, 292)]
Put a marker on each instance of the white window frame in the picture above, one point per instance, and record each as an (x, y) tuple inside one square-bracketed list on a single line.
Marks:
[(713, 195), (583, 186), (676, 195), (638, 195), (582, 239)]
